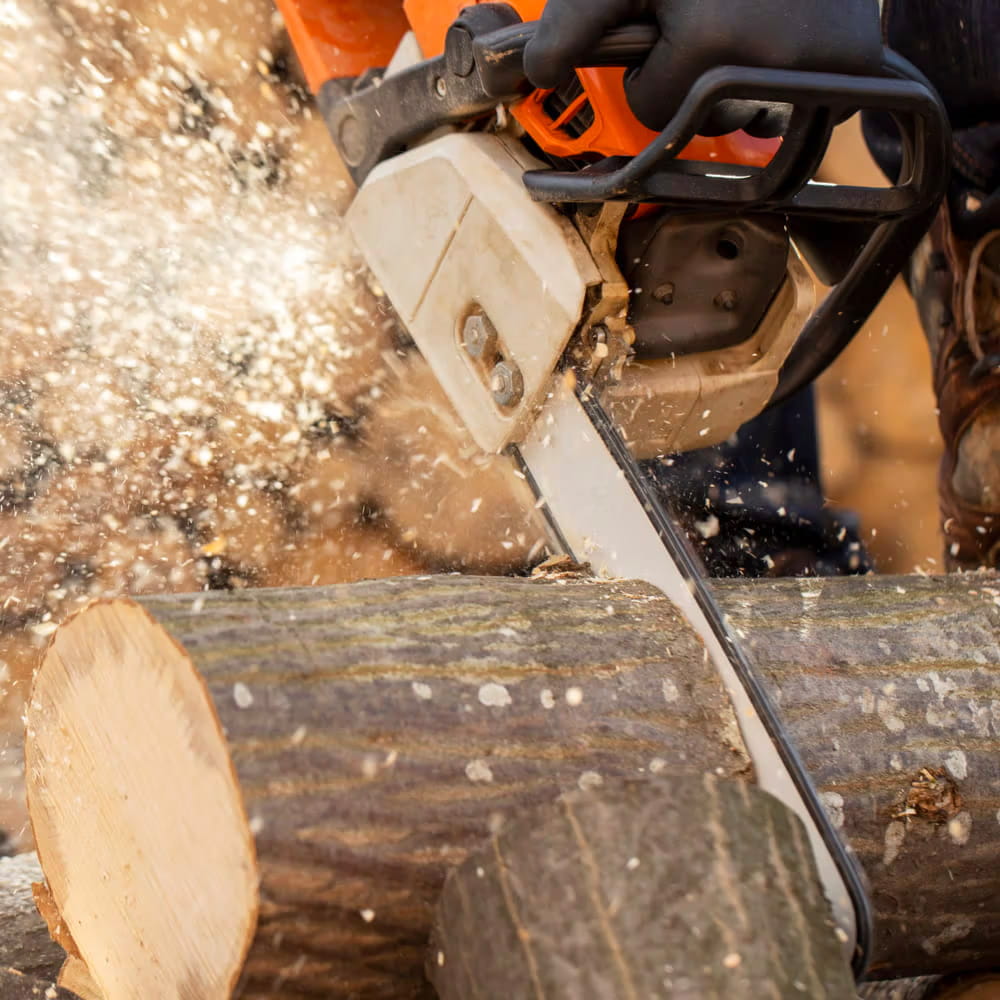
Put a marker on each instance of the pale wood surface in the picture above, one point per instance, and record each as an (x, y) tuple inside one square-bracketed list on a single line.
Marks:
[(137, 816), (75, 977)]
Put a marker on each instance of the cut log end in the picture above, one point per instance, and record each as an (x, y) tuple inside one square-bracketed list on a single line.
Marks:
[(159, 821), (76, 977)]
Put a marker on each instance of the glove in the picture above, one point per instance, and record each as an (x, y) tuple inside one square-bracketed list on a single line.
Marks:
[(835, 36)]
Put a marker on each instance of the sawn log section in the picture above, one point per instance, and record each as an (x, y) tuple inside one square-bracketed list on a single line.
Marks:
[(380, 730)]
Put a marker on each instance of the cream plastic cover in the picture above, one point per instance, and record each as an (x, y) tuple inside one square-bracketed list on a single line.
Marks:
[(448, 229)]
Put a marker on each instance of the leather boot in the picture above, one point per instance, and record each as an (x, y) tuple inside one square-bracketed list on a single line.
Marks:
[(956, 284)]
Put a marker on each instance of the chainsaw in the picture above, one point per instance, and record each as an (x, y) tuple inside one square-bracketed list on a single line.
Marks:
[(591, 294)]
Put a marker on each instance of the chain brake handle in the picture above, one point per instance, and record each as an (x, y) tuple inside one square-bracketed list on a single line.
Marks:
[(857, 239)]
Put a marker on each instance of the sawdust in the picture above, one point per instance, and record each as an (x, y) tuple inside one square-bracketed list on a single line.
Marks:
[(176, 324), (192, 356)]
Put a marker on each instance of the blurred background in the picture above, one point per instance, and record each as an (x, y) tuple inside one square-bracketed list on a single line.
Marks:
[(879, 439)]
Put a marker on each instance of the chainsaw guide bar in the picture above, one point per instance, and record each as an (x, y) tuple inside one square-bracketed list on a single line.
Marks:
[(605, 511)]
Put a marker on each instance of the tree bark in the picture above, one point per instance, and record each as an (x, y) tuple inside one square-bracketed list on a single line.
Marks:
[(891, 690), (689, 887), (921, 988), (25, 944), (16, 985), (392, 726), (974, 987)]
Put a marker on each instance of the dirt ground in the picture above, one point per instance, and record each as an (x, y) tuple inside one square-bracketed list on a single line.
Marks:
[(198, 390)]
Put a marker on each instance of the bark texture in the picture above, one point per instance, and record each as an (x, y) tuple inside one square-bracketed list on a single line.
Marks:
[(15, 985), (974, 987), (25, 944), (921, 988), (689, 888), (392, 726), (891, 690)]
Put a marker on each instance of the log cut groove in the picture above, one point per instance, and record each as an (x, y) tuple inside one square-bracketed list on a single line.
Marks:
[(382, 731)]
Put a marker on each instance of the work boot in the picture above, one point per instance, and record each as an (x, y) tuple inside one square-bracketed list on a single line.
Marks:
[(956, 285)]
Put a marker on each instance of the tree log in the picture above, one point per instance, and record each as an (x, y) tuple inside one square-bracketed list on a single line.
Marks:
[(381, 731), (688, 887), (25, 944), (16, 985), (891, 690)]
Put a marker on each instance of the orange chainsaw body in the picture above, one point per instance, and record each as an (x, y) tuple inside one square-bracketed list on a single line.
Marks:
[(343, 38)]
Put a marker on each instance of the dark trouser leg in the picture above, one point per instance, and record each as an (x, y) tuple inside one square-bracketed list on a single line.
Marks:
[(754, 505)]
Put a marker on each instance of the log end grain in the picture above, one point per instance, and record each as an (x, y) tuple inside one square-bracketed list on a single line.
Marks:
[(136, 809), (75, 977)]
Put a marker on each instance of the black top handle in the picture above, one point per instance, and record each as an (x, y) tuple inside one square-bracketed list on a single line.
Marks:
[(856, 238)]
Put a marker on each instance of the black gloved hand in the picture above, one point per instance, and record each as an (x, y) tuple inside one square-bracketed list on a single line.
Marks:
[(836, 36)]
